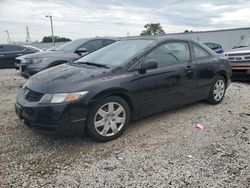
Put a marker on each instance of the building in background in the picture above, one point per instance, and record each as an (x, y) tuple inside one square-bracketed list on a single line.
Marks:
[(228, 38)]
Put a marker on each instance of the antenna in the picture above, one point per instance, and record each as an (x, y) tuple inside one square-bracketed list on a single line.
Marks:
[(8, 36), (27, 35)]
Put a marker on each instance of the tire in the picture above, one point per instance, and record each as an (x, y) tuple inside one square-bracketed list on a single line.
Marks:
[(217, 91), (105, 124)]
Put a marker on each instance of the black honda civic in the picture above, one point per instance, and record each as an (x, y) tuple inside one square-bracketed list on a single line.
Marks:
[(102, 92)]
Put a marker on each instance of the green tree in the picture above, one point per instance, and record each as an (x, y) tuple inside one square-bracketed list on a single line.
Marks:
[(153, 29), (187, 31), (48, 39)]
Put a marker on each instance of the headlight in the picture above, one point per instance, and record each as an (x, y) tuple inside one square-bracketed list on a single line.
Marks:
[(37, 60), (62, 97), (26, 61)]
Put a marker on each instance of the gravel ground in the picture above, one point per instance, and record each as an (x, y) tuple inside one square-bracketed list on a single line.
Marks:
[(164, 150)]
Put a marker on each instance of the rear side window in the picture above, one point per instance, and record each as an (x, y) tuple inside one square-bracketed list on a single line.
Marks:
[(107, 42), (93, 45), (13, 48), (170, 53), (199, 52)]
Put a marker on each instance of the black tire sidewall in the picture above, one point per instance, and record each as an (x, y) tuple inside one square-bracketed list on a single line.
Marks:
[(211, 98), (92, 112)]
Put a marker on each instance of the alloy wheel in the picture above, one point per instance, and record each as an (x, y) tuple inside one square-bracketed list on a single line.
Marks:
[(219, 90), (109, 119)]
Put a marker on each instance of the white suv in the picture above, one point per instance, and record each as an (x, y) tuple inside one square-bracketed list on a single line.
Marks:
[(239, 56)]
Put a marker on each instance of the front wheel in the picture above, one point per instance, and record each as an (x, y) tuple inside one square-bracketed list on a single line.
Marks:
[(217, 91), (108, 119)]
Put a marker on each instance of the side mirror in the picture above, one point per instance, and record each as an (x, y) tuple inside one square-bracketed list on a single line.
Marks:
[(147, 65), (81, 50)]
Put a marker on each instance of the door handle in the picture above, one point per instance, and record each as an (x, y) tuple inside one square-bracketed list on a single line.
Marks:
[(1, 55)]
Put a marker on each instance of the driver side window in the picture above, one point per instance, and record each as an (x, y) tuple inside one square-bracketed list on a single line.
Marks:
[(93, 45), (170, 53)]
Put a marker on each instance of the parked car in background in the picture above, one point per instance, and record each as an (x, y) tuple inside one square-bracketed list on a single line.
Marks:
[(239, 57), (22, 58), (217, 48), (9, 52), (34, 63), (127, 80)]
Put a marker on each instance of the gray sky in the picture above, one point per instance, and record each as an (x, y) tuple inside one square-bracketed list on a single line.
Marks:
[(89, 18)]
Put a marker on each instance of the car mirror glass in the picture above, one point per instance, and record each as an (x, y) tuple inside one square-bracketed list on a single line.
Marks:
[(81, 50), (148, 65)]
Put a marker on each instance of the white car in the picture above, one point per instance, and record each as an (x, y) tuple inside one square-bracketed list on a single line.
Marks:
[(239, 57)]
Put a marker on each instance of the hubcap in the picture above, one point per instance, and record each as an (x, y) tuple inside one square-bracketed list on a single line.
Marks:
[(219, 90), (109, 119)]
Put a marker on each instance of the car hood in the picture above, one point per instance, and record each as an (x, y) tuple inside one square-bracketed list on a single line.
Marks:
[(46, 54), (239, 50), (66, 78)]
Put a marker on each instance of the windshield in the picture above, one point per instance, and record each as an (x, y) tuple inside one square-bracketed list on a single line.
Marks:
[(244, 43), (54, 48), (116, 53), (70, 46)]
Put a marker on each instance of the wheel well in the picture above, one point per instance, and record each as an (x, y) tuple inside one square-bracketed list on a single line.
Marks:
[(223, 74), (123, 96)]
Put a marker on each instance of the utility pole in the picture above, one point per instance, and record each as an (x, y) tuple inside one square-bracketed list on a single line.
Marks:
[(8, 36), (51, 25), (27, 35)]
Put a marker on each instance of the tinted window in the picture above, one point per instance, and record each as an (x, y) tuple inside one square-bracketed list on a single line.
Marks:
[(212, 45), (92, 45), (1, 49), (107, 42), (116, 53), (14, 48), (70, 46), (172, 52), (200, 52)]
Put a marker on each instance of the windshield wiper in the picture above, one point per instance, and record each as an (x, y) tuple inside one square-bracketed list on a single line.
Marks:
[(93, 64), (240, 46)]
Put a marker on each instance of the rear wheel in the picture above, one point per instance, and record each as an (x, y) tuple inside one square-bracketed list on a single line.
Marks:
[(108, 119), (217, 91)]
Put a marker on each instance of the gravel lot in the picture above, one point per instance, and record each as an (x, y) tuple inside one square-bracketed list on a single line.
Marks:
[(164, 150)]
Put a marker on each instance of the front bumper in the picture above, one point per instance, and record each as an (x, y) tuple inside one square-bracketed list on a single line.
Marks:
[(27, 72), (55, 120), (240, 66)]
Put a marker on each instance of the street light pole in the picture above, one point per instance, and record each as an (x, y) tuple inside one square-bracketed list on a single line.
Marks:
[(51, 25), (8, 35)]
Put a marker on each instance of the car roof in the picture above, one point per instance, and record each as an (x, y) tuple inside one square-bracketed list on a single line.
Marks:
[(94, 38), (157, 38)]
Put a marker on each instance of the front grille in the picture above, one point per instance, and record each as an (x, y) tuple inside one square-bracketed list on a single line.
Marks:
[(32, 96), (23, 67), (239, 54), (239, 58), (17, 61)]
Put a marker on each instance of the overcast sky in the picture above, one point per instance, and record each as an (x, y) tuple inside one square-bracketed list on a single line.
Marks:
[(89, 18)]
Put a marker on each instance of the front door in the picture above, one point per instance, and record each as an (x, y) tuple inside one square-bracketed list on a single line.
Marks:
[(172, 83)]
